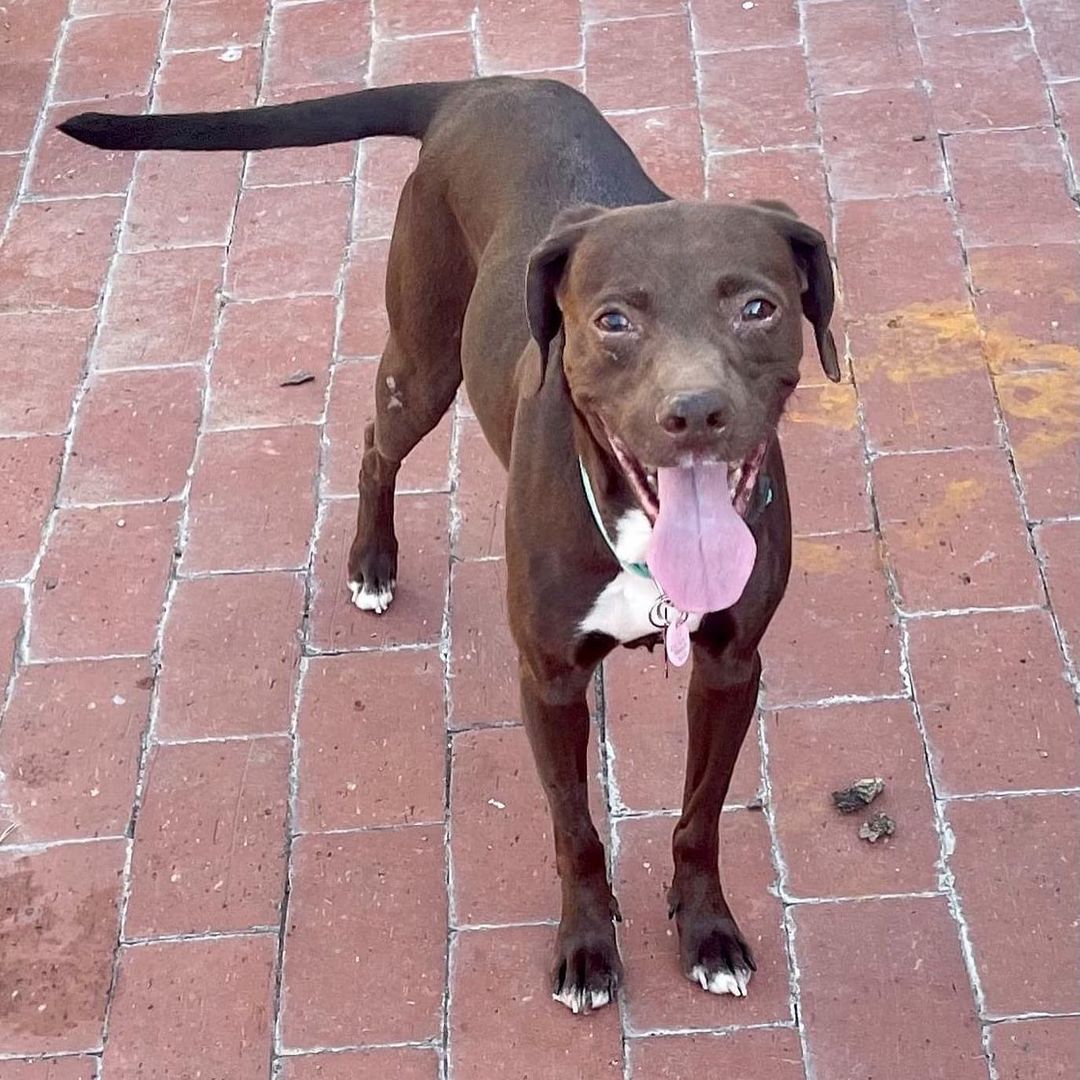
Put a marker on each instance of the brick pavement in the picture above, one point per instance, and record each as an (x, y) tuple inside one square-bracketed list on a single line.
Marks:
[(254, 832)]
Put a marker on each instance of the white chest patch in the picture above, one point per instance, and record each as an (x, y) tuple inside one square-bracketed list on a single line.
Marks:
[(622, 609)]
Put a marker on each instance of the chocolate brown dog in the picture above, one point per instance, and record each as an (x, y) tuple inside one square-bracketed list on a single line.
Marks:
[(628, 357)]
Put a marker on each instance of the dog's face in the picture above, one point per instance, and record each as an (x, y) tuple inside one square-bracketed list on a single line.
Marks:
[(681, 329)]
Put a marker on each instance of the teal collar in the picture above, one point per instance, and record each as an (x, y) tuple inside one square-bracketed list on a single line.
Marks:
[(764, 492)]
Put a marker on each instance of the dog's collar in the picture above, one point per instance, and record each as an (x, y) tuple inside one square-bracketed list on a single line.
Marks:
[(764, 493)]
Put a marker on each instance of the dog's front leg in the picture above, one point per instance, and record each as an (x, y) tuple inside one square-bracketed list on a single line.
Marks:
[(587, 968), (721, 702)]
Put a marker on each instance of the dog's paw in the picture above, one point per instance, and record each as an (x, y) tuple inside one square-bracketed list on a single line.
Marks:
[(734, 981), (587, 970), (374, 598), (715, 955)]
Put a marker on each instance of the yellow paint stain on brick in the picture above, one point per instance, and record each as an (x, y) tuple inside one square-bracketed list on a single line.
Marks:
[(831, 406), (1043, 410), (1006, 351), (958, 500), (816, 556)]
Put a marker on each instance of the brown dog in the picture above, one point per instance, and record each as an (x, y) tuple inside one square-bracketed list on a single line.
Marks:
[(628, 358)]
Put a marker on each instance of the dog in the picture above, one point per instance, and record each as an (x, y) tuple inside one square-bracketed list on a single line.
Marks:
[(628, 357)]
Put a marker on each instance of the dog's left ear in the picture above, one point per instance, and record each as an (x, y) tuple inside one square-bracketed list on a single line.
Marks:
[(812, 255), (547, 265)]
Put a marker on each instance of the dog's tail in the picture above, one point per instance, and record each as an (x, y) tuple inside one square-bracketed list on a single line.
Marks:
[(391, 110)]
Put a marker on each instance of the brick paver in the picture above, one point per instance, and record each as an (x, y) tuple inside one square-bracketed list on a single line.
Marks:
[(249, 832)]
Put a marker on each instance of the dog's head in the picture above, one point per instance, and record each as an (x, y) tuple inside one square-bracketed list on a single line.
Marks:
[(680, 329)]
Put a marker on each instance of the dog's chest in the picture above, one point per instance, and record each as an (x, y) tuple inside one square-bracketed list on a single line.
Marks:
[(624, 606)]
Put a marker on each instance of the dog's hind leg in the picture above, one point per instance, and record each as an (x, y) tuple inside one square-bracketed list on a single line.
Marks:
[(428, 282)]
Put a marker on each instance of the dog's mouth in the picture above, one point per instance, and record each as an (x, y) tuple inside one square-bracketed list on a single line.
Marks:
[(701, 551)]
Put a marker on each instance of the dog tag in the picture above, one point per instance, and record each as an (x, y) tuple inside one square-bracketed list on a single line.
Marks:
[(677, 642)]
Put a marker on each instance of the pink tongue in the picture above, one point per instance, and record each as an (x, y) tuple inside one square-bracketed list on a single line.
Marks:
[(701, 552)]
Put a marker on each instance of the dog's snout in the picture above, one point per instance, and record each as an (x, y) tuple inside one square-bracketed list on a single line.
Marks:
[(692, 413)]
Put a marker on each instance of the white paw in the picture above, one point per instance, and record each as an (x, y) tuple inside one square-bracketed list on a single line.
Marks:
[(579, 1000), (376, 600), (722, 982)]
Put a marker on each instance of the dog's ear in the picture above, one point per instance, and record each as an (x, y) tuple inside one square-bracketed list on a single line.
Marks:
[(547, 265), (812, 256)]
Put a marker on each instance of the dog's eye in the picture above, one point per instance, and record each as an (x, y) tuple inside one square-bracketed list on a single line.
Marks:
[(757, 309), (614, 322)]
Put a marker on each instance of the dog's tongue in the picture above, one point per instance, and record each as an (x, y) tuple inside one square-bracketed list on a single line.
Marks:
[(701, 552)]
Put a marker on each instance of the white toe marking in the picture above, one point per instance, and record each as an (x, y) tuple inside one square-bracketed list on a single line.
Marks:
[(574, 998), (376, 600), (722, 982)]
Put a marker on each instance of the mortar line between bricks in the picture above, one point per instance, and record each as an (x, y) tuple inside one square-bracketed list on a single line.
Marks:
[(1024, 793), (33, 847), (297, 1051), (360, 830), (1012, 1018), (524, 924), (209, 935), (718, 1032), (646, 16), (58, 1055)]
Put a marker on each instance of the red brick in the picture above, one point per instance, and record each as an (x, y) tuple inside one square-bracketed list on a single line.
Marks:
[(834, 633), (69, 748), (262, 344), (366, 910), (56, 253), (658, 995), (1010, 187), (193, 1008), (207, 24), (134, 435), (955, 16), (998, 713), (102, 581), (501, 979), (823, 449), (202, 81), (12, 614), (795, 176), (351, 407), (526, 35), (1042, 416), (953, 531), (730, 24), (319, 44), (763, 1054), (253, 499), (484, 659), (415, 616), (1055, 24), (24, 84), (301, 164), (1057, 544), (396, 17), (114, 54), (372, 741), (756, 98), (859, 44), (645, 705), (813, 752), (1026, 303), (384, 166), (40, 366), (986, 80), (402, 1063), (502, 847), (109, 7), (363, 326), (876, 236), (63, 166), (57, 1068), (892, 162), (29, 469), (425, 59), (210, 840), (31, 28), (231, 656), (161, 308), (481, 495), (57, 938), (904, 950), (618, 52), (667, 142), (175, 204), (923, 381), (1016, 865), (1044, 1048), (288, 239)]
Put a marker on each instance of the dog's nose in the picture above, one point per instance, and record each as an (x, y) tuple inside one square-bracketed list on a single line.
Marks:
[(686, 414)]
